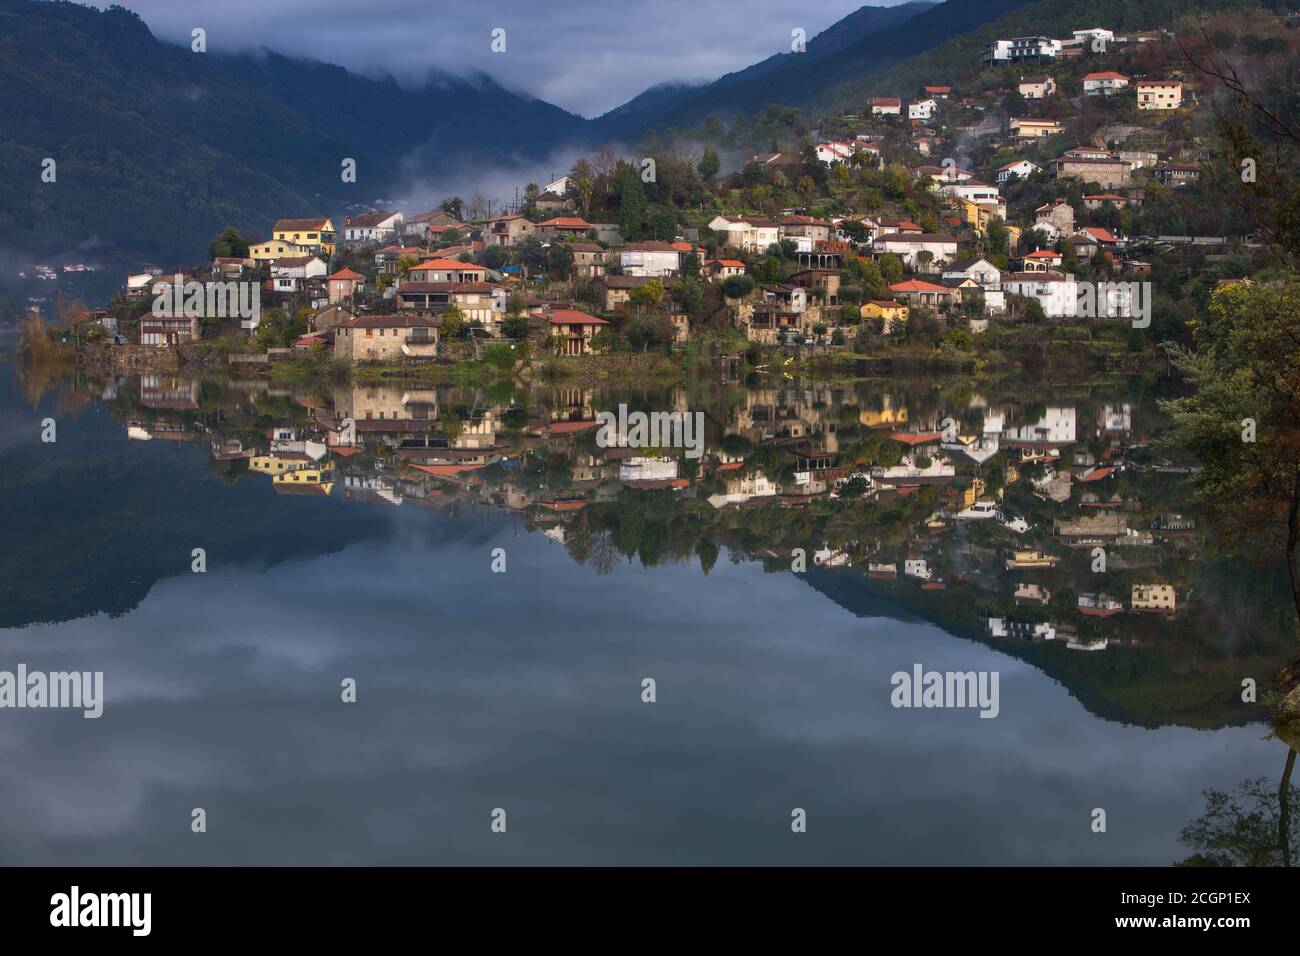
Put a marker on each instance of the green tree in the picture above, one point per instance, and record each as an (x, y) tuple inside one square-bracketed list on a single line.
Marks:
[(709, 163), (1243, 419), (229, 244), (453, 322)]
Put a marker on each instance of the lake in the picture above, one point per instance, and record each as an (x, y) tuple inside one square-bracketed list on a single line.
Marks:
[(498, 585)]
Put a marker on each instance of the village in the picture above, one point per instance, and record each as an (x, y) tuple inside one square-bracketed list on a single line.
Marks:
[(975, 218)]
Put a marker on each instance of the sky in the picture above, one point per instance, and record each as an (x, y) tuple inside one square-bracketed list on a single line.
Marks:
[(586, 56)]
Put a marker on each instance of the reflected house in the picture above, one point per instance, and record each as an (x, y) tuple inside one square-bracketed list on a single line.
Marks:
[(279, 463), (371, 488), (313, 480), (1021, 630), (884, 571), (1020, 559), (1104, 528), (739, 487), (978, 448), (1099, 605), (1054, 429), (164, 391), (917, 568), (1027, 593), (1115, 418), (1154, 597), (887, 416)]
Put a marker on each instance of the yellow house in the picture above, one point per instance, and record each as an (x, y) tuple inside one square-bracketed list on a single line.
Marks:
[(276, 249), (977, 215), (888, 312), (278, 464), (317, 235), (306, 481)]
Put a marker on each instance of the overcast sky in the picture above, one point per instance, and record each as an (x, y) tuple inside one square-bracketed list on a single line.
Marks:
[(587, 56)]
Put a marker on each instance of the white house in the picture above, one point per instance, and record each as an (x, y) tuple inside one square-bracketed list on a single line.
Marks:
[(1058, 294), (1104, 83), (1020, 48), (830, 153), (1036, 87), (372, 227), (886, 106), (921, 109), (910, 245), (917, 568), (287, 273), (1020, 168), (750, 233), (654, 258), (1107, 37)]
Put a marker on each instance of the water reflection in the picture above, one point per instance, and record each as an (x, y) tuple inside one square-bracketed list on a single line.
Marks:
[(349, 531)]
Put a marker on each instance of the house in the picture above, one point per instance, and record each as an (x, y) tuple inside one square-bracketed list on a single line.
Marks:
[(723, 268), (1026, 130), (1094, 34), (344, 284), (316, 235), (419, 224), (1058, 294), (563, 226), (918, 292), (917, 248), (652, 258), (805, 227), (748, 233), (228, 267), (1154, 597), (921, 109), (982, 271), (1105, 83), (1100, 200), (886, 106), (377, 338), (1036, 87), (891, 314), (167, 329), (614, 290), (388, 260), (1107, 171), (588, 259), (288, 273), (835, 152), (277, 249), (445, 270), (1159, 94), (372, 227), (1016, 169), (938, 92), (1042, 260), (1178, 174), (1027, 593), (827, 280), (481, 303), (570, 330), (1019, 49), (1054, 218), (508, 230)]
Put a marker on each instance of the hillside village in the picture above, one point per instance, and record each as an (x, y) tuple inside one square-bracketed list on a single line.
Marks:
[(1060, 168)]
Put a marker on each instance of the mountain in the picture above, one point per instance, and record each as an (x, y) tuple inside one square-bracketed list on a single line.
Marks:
[(157, 147), (866, 41)]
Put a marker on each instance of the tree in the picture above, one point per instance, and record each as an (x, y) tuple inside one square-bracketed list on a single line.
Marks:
[(1243, 420), (453, 322), (454, 207), (736, 287), (647, 297), (1034, 312), (709, 163), (229, 244), (515, 327)]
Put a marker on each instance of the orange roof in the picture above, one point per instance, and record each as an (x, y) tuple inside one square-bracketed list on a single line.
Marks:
[(347, 274), (1100, 234), (1105, 75), (1097, 474), (1043, 254), (564, 428), (445, 264), (917, 285), (447, 471), (574, 317), (916, 438), (567, 222)]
